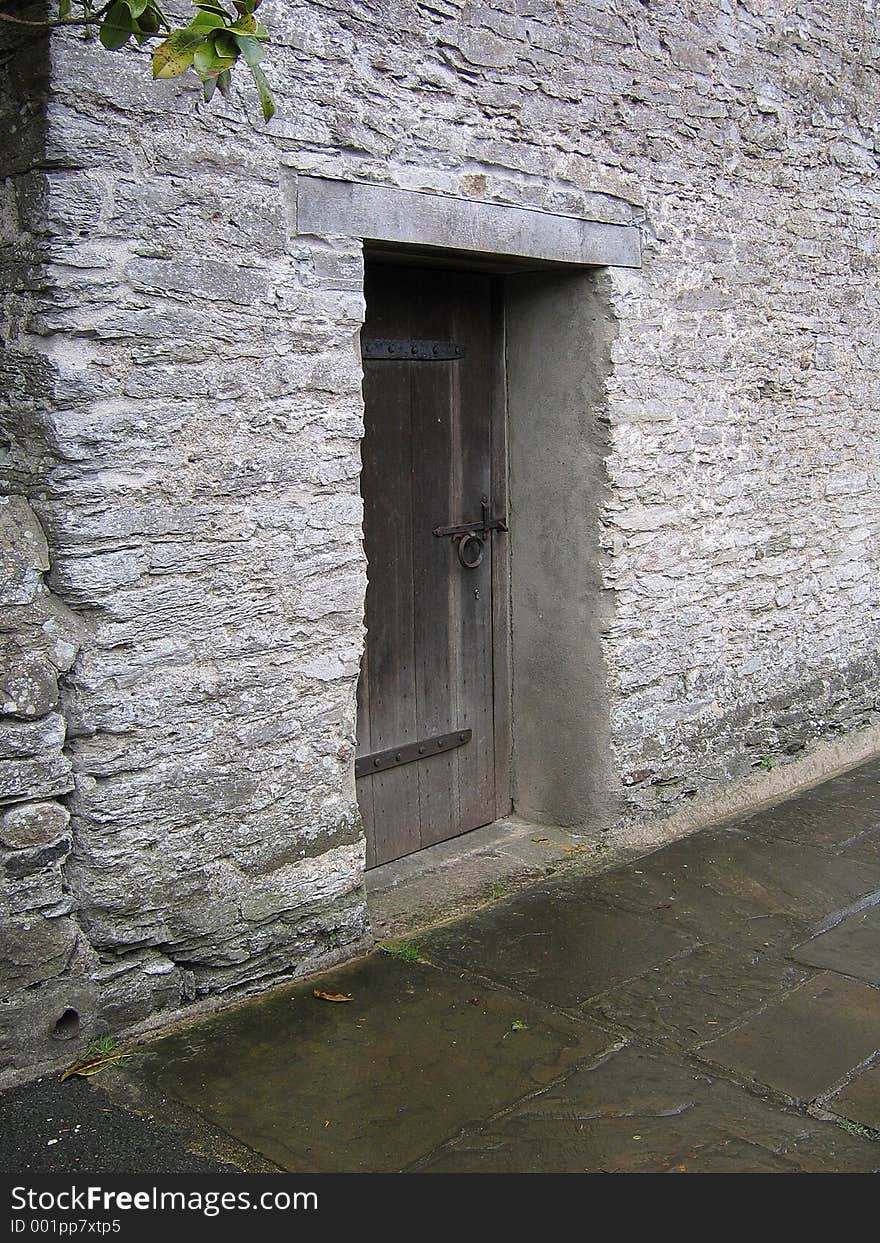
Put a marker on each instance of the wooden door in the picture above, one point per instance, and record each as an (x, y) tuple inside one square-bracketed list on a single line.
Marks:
[(432, 742)]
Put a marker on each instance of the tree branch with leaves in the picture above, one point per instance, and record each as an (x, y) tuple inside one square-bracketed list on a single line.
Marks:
[(210, 45)]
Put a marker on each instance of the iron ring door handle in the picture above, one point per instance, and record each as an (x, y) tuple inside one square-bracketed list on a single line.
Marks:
[(470, 550), (470, 537)]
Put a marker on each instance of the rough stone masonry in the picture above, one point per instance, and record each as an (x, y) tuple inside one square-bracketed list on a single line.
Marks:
[(181, 616)]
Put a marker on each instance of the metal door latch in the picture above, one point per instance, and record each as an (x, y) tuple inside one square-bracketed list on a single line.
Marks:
[(471, 537)]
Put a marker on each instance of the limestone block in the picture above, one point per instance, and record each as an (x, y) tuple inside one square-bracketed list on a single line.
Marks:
[(90, 998), (33, 824), (24, 554), (24, 739), (43, 626), (42, 892), (34, 778), (62, 630), (28, 684), (35, 949), (17, 864)]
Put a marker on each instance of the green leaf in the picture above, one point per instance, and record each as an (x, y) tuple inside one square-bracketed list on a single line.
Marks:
[(208, 6), (175, 55), (146, 25), (209, 86), (246, 25), (202, 23), (250, 49), (208, 64), (204, 59), (135, 7), (224, 83), (160, 16), (117, 27), (63, 9), (264, 91), (225, 46)]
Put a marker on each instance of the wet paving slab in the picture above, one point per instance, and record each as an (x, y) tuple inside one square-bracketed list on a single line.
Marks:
[(806, 1041), (556, 943), (726, 886), (863, 846), (851, 947), (373, 1083), (859, 1100), (699, 995), (852, 798), (811, 824), (841, 816), (637, 1110)]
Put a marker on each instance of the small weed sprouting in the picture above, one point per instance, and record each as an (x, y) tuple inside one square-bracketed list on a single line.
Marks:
[(859, 1129), (101, 1046), (766, 763), (100, 1054), (497, 892), (407, 950)]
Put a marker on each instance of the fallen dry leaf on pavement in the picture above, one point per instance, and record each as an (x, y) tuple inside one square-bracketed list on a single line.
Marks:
[(316, 992), (92, 1065)]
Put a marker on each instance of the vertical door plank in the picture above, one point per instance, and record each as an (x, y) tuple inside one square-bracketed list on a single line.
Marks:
[(387, 485), (501, 667), (434, 582), (472, 319)]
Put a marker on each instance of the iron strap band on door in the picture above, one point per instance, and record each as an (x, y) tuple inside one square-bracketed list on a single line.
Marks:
[(381, 760), (381, 349)]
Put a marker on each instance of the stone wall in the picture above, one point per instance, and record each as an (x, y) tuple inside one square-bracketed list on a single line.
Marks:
[(204, 528), (38, 635), (38, 642), (742, 519), (187, 426)]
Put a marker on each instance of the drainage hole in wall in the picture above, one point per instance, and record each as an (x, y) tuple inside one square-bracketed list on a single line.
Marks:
[(66, 1025)]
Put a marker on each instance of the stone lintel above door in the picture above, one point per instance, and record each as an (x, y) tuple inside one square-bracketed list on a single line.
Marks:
[(522, 235)]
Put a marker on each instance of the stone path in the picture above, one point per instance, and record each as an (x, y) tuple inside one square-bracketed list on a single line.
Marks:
[(713, 1006)]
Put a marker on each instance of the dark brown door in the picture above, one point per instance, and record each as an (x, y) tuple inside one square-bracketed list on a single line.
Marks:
[(427, 731)]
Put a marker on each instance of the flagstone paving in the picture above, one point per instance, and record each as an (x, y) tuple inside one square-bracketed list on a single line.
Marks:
[(642, 1111), (859, 1100), (712, 1006), (805, 1041), (370, 1084), (851, 947), (694, 998)]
